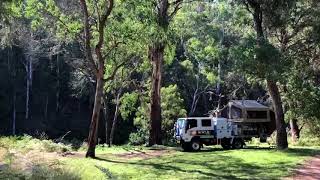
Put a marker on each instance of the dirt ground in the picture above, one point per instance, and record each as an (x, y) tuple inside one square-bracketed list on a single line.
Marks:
[(309, 171)]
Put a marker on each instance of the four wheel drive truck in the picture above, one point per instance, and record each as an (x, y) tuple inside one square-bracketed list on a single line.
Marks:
[(194, 132), (240, 121)]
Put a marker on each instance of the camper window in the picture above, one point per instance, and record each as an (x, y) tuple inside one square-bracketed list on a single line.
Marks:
[(257, 114)]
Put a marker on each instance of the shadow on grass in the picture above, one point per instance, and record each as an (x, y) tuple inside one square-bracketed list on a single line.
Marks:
[(163, 168), (226, 168)]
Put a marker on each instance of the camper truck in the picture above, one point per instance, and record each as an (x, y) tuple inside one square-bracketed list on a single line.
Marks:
[(240, 121)]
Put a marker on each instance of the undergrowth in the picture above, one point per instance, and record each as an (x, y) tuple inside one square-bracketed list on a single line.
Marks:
[(27, 143)]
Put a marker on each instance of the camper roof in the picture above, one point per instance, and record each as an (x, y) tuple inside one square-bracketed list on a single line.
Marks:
[(248, 104)]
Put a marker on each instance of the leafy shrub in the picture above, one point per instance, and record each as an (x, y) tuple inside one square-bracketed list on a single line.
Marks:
[(308, 141), (138, 138)]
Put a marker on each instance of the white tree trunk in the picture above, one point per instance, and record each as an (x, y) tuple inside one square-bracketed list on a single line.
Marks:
[(46, 107), (58, 85), (27, 89), (29, 70), (14, 114), (115, 118)]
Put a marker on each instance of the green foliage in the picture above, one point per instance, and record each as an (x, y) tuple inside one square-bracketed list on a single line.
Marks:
[(128, 104), (172, 109), (262, 61)]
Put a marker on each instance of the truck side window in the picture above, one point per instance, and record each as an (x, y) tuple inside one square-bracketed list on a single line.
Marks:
[(191, 123), (205, 122)]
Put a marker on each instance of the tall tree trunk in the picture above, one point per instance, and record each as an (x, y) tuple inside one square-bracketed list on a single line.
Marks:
[(13, 89), (295, 131), (105, 114), (282, 142), (98, 68), (156, 53), (93, 131), (46, 108), (28, 67), (14, 113), (115, 118), (58, 85)]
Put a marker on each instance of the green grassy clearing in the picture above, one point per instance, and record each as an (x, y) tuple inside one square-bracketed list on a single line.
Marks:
[(213, 162)]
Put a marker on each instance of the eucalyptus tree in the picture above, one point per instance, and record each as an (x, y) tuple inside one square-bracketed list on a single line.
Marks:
[(162, 14), (296, 35), (267, 61), (282, 44)]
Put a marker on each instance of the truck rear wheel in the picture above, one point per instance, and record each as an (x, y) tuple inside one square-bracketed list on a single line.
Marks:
[(237, 144), (195, 145)]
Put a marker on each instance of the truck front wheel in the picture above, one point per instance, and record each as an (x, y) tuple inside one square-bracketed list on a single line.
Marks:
[(195, 145), (185, 146), (225, 143)]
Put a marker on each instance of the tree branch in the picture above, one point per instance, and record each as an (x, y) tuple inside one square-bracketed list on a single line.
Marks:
[(102, 24), (88, 36)]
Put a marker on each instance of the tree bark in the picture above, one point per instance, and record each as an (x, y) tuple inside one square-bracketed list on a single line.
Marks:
[(93, 131), (295, 131), (115, 118), (156, 53), (282, 142)]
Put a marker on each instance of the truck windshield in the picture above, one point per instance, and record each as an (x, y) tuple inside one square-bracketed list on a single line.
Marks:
[(181, 123)]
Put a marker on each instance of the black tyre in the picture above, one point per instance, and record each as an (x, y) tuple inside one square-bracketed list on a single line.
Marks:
[(225, 143), (237, 144), (185, 146), (195, 145)]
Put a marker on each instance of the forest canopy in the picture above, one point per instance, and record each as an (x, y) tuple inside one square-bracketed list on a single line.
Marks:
[(124, 71)]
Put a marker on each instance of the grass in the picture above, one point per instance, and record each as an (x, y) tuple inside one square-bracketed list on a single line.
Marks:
[(235, 164), (211, 163)]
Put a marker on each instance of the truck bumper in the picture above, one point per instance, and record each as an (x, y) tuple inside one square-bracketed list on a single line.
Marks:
[(178, 139)]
